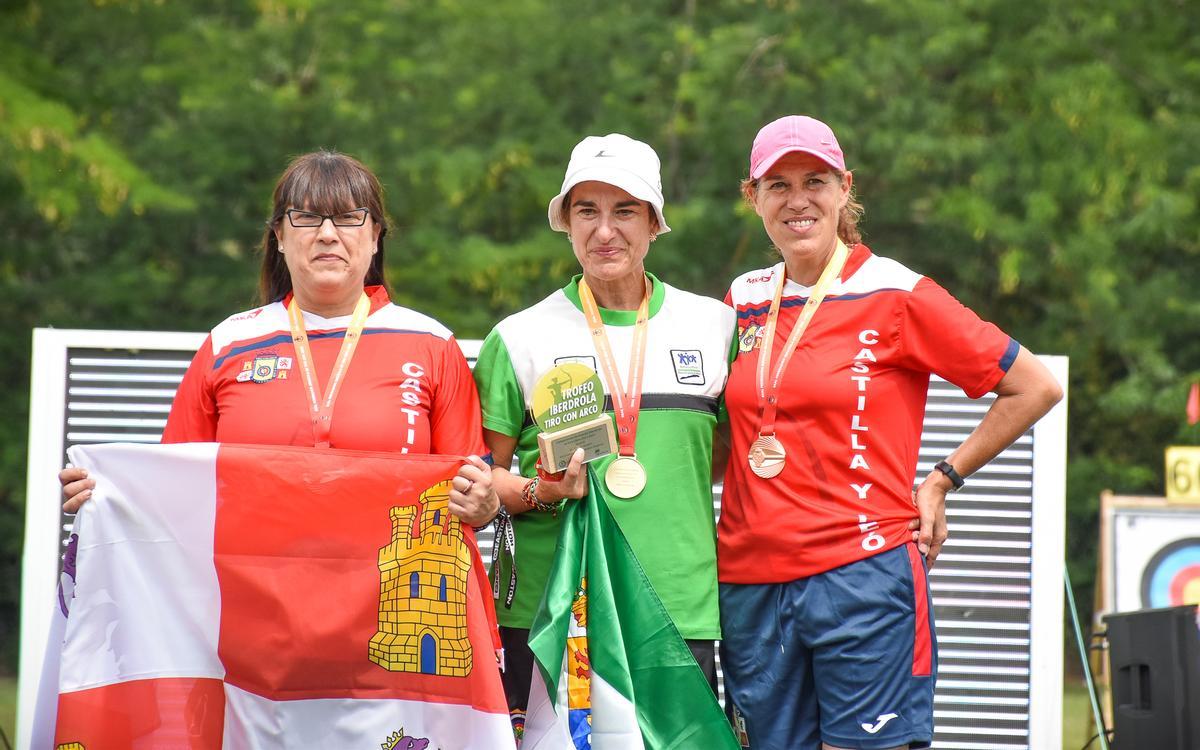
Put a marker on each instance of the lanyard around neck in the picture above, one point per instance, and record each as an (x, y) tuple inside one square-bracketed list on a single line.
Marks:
[(321, 404), (626, 404), (768, 392)]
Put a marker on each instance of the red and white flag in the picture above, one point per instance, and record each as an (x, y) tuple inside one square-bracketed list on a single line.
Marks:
[(274, 597)]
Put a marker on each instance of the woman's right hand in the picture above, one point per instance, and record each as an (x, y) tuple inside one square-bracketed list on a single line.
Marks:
[(569, 484), (76, 487)]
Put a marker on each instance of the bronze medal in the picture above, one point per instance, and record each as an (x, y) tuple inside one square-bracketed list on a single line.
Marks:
[(767, 456), (625, 477)]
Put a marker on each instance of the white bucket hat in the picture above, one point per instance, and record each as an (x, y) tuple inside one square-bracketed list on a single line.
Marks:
[(619, 161)]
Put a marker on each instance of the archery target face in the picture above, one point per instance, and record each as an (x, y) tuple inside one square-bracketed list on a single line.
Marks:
[(1156, 557), (1172, 577)]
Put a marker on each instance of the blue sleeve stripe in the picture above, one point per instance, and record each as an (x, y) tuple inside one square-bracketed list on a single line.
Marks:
[(1010, 354)]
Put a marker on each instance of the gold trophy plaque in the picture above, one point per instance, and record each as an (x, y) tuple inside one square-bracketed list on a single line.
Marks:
[(568, 406)]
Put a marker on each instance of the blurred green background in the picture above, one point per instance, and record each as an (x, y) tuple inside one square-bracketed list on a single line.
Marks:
[(1038, 159)]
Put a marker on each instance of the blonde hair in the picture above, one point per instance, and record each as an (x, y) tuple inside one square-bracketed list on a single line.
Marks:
[(848, 217)]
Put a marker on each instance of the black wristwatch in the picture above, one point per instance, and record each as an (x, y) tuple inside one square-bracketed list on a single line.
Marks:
[(954, 477)]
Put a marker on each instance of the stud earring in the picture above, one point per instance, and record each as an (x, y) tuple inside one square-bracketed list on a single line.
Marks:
[(653, 237)]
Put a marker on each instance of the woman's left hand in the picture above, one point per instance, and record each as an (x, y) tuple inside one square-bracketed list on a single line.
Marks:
[(472, 497)]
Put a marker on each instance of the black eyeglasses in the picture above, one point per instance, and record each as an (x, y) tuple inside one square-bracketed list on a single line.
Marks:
[(304, 219)]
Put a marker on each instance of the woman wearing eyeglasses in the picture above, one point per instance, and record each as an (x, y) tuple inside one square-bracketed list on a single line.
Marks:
[(328, 361), (404, 386)]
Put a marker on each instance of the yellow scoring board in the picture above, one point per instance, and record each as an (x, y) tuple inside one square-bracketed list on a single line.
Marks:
[(1183, 473)]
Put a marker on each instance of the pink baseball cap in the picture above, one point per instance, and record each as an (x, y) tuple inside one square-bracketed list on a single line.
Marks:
[(794, 133)]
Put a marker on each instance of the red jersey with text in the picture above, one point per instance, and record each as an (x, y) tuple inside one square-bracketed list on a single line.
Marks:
[(407, 389), (851, 407)]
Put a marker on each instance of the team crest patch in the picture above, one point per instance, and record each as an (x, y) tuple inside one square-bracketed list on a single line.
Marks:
[(400, 741), (264, 368), (583, 359), (750, 338), (689, 366)]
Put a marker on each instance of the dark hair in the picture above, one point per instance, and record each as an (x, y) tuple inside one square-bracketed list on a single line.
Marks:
[(847, 228), (325, 182)]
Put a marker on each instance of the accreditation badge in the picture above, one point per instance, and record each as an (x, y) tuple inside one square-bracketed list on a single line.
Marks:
[(568, 407)]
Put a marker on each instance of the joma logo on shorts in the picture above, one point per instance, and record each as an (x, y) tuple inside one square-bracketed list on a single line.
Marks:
[(879, 722)]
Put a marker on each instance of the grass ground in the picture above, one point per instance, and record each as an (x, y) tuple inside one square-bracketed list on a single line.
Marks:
[(1078, 727), (8, 707)]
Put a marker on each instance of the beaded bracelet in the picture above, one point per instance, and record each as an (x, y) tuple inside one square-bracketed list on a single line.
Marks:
[(530, 498)]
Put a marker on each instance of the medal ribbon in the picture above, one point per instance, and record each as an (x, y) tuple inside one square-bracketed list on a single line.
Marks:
[(321, 404), (504, 540), (625, 403), (768, 393)]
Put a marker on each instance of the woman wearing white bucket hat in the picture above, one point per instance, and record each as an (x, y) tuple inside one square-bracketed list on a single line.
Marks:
[(828, 634), (611, 207)]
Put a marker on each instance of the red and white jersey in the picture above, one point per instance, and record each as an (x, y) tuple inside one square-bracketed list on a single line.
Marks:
[(851, 406), (408, 388)]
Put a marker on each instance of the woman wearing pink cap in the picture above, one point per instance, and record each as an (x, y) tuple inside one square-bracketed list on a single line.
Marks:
[(828, 634)]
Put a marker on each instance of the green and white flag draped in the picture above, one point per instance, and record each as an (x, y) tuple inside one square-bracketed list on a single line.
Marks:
[(613, 672)]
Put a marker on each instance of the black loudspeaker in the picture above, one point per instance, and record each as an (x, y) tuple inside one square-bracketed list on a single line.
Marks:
[(1154, 657)]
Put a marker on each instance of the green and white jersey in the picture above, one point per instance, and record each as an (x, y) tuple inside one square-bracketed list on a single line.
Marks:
[(670, 524)]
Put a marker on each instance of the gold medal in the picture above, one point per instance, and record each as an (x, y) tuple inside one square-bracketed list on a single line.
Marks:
[(625, 477), (767, 456)]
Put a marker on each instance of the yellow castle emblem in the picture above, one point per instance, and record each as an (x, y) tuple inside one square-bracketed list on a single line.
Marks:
[(423, 591)]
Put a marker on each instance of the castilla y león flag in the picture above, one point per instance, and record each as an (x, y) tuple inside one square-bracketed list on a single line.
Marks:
[(275, 597)]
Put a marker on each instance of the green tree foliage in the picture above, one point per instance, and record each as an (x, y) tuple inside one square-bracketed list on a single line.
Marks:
[(1037, 159)]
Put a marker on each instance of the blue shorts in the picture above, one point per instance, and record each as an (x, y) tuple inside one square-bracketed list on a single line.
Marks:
[(847, 657)]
